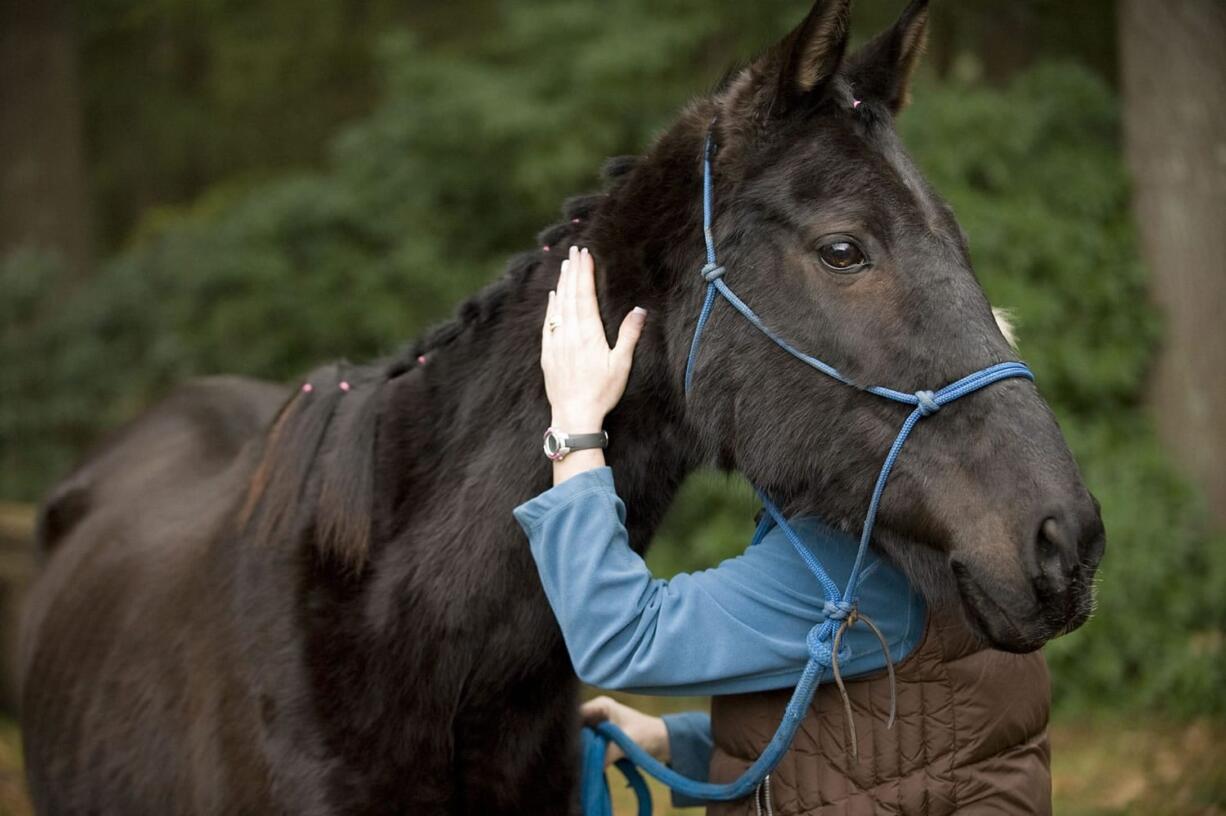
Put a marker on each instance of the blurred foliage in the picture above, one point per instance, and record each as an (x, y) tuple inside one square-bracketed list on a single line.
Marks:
[(179, 94), (463, 158)]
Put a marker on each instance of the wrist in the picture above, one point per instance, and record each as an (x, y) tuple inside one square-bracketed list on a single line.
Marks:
[(577, 421), (659, 747), (577, 462)]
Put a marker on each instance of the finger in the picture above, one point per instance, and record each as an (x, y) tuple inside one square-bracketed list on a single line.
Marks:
[(628, 336), (596, 710), (585, 286), (549, 318), (561, 312), (548, 346), (572, 273), (563, 277), (569, 301)]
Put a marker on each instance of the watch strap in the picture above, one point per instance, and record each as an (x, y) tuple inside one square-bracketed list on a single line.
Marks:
[(587, 441)]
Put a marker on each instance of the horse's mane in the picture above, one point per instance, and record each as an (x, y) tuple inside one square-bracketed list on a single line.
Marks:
[(315, 472), (318, 453)]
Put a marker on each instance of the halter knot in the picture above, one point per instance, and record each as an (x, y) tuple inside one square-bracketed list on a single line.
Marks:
[(927, 403), (819, 642), (837, 610), (712, 272)]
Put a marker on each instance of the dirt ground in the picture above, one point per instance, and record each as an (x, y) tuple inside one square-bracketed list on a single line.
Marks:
[(1100, 768)]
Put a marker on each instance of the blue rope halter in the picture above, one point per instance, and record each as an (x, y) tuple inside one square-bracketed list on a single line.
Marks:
[(840, 606)]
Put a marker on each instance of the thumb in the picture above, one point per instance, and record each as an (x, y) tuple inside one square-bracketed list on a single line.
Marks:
[(628, 335), (597, 710)]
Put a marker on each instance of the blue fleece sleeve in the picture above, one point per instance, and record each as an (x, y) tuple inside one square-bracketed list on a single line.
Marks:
[(738, 627), (689, 747)]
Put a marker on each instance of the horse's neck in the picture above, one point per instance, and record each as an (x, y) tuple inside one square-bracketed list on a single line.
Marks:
[(464, 429), (647, 236)]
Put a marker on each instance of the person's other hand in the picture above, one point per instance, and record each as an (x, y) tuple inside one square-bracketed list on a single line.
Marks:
[(648, 731), (584, 378)]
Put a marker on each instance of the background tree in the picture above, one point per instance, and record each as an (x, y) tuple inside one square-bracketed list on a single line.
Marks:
[(1173, 64), (43, 198)]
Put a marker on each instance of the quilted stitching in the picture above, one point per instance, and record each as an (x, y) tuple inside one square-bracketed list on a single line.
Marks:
[(971, 736)]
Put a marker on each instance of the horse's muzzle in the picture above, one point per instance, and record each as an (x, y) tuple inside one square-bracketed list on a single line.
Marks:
[(1049, 592)]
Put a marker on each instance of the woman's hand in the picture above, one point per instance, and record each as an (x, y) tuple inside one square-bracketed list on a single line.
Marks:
[(584, 378), (649, 732)]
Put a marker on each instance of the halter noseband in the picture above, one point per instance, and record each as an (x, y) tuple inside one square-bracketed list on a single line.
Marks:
[(823, 640)]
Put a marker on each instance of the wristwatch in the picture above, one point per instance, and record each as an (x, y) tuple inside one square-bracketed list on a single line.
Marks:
[(558, 443)]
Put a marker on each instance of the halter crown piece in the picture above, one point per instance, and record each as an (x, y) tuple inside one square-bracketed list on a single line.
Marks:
[(824, 639)]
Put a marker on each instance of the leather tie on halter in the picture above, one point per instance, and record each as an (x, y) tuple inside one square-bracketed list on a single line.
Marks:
[(847, 614), (825, 640), (853, 742)]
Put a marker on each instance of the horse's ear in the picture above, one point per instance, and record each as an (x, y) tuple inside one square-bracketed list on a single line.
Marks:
[(795, 69), (814, 50), (883, 68)]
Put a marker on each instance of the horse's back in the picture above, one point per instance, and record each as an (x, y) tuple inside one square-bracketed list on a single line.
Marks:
[(196, 430), (132, 597)]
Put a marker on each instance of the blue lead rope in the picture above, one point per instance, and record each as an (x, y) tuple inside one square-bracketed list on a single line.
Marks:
[(596, 798), (839, 606)]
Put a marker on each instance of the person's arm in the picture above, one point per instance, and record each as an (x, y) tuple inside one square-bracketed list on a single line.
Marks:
[(736, 628), (743, 622)]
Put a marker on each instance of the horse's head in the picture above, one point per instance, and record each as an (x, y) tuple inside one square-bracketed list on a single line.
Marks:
[(830, 233)]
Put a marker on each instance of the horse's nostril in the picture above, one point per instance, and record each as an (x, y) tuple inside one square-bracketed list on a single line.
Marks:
[(1054, 563), (1050, 540)]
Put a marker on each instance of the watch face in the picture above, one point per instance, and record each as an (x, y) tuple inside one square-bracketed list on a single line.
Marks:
[(555, 445)]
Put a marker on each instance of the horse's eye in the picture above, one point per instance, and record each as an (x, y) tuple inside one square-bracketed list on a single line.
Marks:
[(842, 255)]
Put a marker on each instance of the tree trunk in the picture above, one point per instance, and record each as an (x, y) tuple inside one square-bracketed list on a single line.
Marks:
[(43, 191), (1173, 65)]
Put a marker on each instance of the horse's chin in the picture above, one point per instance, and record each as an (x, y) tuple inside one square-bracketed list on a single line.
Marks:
[(931, 573), (994, 626)]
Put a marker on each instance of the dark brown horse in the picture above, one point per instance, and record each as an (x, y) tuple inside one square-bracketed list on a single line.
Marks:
[(315, 600)]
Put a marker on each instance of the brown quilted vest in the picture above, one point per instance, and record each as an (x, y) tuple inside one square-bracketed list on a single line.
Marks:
[(971, 737)]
